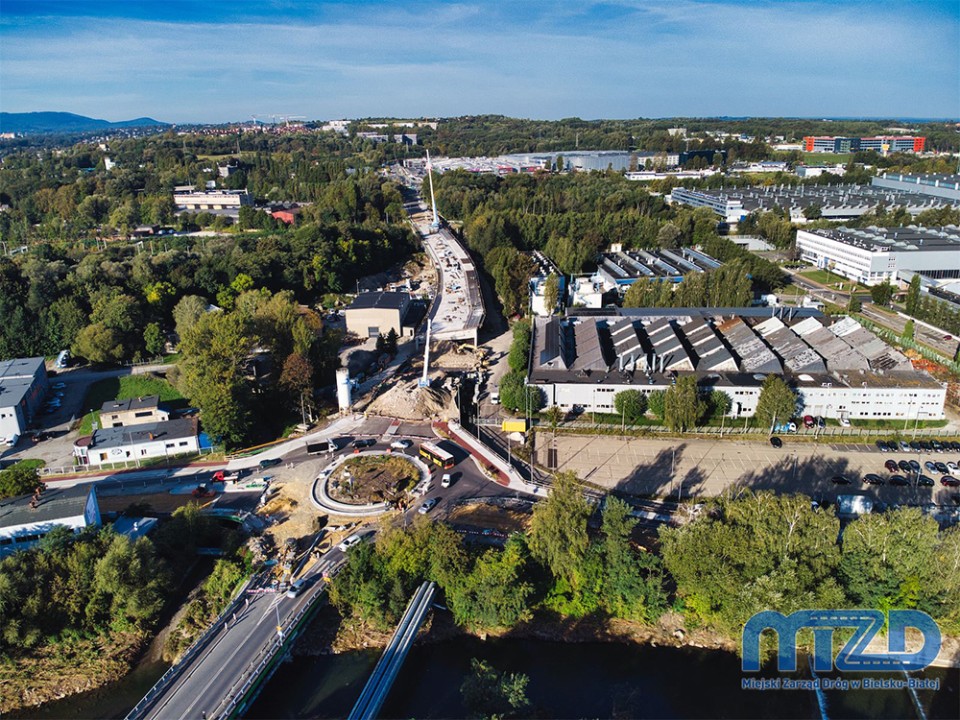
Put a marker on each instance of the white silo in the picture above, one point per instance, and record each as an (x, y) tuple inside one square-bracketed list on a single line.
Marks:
[(343, 389)]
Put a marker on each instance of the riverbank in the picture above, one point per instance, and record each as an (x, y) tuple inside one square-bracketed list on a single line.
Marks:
[(329, 635)]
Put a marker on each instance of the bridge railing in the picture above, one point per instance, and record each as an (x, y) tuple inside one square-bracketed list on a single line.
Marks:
[(174, 670)]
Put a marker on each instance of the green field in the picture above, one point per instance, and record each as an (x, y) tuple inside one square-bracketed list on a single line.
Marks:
[(124, 388), (826, 158), (825, 277)]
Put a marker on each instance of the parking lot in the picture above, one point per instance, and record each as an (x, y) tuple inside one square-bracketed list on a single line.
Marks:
[(707, 467)]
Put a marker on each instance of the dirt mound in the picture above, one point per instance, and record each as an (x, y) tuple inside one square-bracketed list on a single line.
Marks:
[(408, 401)]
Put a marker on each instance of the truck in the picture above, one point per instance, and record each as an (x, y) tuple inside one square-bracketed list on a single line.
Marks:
[(322, 446)]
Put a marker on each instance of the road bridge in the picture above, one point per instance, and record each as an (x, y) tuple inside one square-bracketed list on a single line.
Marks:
[(378, 686)]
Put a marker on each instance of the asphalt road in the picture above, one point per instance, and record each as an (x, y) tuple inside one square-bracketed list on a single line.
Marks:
[(207, 682)]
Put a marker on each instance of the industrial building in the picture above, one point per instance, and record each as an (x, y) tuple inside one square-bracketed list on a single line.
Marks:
[(874, 255), (223, 202), (942, 186), (25, 519), (23, 383), (834, 202), (138, 442), (135, 411), (839, 369), (883, 144), (618, 269), (377, 313)]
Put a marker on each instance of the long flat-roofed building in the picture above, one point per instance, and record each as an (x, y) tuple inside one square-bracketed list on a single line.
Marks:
[(944, 186), (834, 202), (881, 143), (875, 255), (138, 442), (25, 519), (839, 369), (23, 383)]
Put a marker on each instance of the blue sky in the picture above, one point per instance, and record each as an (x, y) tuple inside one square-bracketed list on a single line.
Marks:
[(215, 61)]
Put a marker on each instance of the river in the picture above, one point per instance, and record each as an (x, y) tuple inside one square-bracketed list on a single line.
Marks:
[(576, 680)]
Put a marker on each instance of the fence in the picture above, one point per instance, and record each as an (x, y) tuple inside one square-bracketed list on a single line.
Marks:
[(151, 463)]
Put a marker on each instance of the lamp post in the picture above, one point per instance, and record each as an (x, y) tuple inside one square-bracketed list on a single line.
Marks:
[(916, 423)]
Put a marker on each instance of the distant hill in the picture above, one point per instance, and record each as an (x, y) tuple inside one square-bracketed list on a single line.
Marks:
[(62, 122)]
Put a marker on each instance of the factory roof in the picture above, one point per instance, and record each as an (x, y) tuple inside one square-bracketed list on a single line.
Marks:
[(911, 238), (381, 300), (55, 503), (139, 403)]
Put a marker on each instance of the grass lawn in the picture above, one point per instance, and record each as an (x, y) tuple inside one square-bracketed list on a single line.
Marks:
[(819, 158), (826, 277), (124, 388)]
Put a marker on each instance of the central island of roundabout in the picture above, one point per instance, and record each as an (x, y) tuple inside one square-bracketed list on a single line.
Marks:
[(369, 483)]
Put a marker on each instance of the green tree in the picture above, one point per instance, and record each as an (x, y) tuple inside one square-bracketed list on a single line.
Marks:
[(682, 406), (154, 340), (517, 396), (186, 313), (882, 294), (519, 346), (719, 403), (489, 693), (656, 403), (99, 344), (297, 375), (853, 304), (558, 529), (776, 402), (494, 593), (632, 583), (19, 479), (551, 293), (391, 343), (912, 303), (630, 404), (908, 330)]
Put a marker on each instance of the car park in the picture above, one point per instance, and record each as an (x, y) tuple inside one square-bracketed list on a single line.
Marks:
[(899, 480), (948, 481), (925, 481), (400, 444), (428, 506), (840, 480), (871, 479), (348, 543), (776, 442), (890, 465)]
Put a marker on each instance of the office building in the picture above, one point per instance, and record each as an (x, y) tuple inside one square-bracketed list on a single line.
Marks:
[(136, 443), (882, 144), (872, 256)]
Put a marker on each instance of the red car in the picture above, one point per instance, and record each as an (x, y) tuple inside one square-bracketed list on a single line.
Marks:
[(808, 421)]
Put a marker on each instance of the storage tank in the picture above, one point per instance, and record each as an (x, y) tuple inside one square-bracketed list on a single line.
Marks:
[(343, 389)]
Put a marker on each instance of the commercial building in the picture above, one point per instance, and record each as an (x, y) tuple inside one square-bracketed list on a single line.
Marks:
[(833, 202), (942, 186), (23, 383), (838, 368), (377, 313), (135, 411), (874, 255), (882, 144), (25, 519), (138, 442)]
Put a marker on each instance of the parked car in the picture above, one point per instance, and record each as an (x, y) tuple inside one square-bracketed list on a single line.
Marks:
[(882, 446), (776, 442), (948, 481), (926, 446), (890, 465), (955, 445), (871, 479), (400, 444), (428, 506), (915, 446), (925, 481), (937, 446), (915, 466), (348, 543), (268, 463), (942, 468), (899, 480), (809, 422), (840, 480), (930, 465), (905, 466), (953, 467), (905, 446)]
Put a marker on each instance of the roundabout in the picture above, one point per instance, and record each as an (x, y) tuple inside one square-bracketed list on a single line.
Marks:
[(369, 483)]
